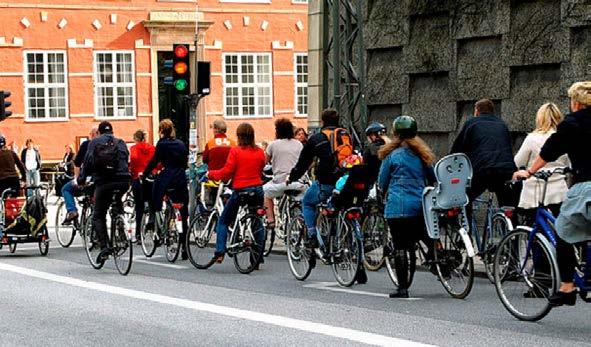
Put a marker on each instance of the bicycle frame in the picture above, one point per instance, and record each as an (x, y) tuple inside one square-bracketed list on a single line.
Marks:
[(336, 222)]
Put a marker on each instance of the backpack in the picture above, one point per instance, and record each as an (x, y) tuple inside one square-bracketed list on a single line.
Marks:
[(106, 157), (341, 143)]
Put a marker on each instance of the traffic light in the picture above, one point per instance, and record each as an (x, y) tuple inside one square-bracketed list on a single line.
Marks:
[(4, 104), (181, 76)]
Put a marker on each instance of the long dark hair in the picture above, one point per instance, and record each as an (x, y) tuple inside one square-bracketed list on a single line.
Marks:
[(245, 135)]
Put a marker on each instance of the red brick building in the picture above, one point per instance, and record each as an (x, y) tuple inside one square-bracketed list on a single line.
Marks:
[(70, 64)]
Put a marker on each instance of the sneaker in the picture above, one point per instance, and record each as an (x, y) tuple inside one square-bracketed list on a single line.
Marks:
[(311, 243), (399, 294), (70, 217), (361, 277)]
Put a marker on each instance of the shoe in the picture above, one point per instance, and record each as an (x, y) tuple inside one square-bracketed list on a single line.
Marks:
[(311, 243), (218, 257), (184, 255), (70, 217), (103, 255), (561, 298), (361, 277), (400, 294)]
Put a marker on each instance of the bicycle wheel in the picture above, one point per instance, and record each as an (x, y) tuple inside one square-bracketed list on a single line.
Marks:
[(44, 243), (498, 230), (301, 261), (122, 246), (390, 261), (172, 245), (375, 236), (64, 233), (246, 252), (455, 269), (148, 237), (269, 241), (91, 246), (526, 274), (198, 237), (12, 247), (346, 251)]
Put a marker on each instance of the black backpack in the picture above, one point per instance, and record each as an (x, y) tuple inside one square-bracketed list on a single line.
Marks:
[(106, 157)]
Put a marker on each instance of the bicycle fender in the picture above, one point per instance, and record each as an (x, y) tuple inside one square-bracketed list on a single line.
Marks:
[(467, 242)]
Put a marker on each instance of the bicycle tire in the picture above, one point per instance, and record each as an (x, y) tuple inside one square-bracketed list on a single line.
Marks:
[(249, 250), (90, 247), (12, 247), (172, 240), (122, 246), (343, 244), (198, 237), (269, 245), (509, 269), (374, 241), (297, 254), (65, 233), (391, 267), (448, 251), (44, 244), (499, 228), (148, 237)]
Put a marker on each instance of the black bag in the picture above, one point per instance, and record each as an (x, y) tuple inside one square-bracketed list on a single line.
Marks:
[(106, 157)]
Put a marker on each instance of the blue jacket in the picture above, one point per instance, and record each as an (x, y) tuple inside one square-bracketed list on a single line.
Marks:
[(403, 177), (174, 157), (122, 171)]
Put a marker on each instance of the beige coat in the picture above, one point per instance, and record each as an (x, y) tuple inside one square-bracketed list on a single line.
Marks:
[(533, 187)]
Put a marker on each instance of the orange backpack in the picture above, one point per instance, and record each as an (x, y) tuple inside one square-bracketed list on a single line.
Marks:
[(341, 144)]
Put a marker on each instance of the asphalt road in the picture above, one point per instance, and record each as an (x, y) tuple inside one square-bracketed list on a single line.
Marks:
[(60, 300)]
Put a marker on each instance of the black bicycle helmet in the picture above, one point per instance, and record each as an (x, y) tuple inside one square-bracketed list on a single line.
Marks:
[(2, 141), (375, 128), (405, 127)]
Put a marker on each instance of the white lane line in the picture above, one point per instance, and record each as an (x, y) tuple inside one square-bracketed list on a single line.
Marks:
[(333, 287), (143, 260), (271, 319)]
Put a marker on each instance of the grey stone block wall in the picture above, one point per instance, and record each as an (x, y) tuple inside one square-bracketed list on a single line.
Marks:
[(432, 59)]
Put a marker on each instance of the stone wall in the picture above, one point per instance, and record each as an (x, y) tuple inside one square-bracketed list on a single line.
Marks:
[(432, 59)]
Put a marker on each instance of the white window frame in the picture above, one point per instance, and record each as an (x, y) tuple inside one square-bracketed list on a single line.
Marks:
[(299, 2), (45, 85), (97, 85), (297, 84), (239, 55)]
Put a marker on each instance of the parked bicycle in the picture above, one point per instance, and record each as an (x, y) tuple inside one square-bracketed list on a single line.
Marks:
[(526, 269)]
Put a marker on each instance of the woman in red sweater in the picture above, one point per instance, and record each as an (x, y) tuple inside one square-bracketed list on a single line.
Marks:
[(244, 167), (139, 156)]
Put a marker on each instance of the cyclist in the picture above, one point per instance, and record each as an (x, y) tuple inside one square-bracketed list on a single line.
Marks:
[(375, 133), (9, 163), (486, 140), (106, 162), (217, 149), (139, 156), (173, 155), (301, 135), (573, 137), (405, 168), (244, 167), (283, 154), (70, 189)]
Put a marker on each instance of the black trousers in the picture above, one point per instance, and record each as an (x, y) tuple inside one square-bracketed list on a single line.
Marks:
[(406, 232), (142, 193), (565, 256), (179, 194), (103, 197), (494, 182)]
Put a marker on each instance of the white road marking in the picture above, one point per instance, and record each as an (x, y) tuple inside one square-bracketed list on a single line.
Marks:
[(143, 260), (334, 287), (271, 319)]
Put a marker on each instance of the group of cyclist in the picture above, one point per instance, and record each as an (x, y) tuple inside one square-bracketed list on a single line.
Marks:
[(401, 167)]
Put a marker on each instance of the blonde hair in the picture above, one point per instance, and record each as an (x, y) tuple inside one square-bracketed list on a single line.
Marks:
[(416, 144), (547, 118), (166, 128), (581, 92)]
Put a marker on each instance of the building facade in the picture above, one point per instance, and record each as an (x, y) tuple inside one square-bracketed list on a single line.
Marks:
[(71, 64)]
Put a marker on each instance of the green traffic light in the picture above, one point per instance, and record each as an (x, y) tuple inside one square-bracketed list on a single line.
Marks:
[(180, 85)]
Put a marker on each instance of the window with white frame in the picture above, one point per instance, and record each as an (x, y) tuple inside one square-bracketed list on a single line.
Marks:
[(299, 1), (114, 84), (301, 84), (46, 85), (247, 85)]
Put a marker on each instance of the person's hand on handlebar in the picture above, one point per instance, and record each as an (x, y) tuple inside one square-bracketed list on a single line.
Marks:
[(522, 175)]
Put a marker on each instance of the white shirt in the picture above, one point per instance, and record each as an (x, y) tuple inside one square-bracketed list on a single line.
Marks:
[(31, 159)]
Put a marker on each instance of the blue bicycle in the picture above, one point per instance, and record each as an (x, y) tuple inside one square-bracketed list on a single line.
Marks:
[(526, 269)]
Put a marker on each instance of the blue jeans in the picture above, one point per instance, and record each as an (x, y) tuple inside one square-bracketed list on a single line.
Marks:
[(68, 192), (316, 194), (229, 215)]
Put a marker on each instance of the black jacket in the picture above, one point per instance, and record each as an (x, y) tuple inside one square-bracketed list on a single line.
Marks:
[(370, 157), (37, 157), (122, 171), (487, 142), (174, 157), (572, 137), (318, 147)]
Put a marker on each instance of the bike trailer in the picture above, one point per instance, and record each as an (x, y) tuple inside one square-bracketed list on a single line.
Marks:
[(30, 219)]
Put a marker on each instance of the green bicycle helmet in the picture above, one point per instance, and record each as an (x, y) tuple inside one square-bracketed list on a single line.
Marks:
[(405, 127)]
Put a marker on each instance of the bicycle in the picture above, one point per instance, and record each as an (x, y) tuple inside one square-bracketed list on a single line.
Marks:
[(66, 233), (341, 244), (375, 234), (118, 238), (497, 224), (166, 229), (289, 206), (242, 246), (526, 269)]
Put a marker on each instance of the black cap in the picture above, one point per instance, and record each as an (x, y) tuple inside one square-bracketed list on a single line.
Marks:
[(105, 128)]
